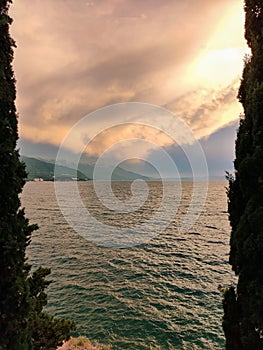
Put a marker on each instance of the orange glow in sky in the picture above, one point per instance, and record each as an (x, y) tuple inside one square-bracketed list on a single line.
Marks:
[(75, 57)]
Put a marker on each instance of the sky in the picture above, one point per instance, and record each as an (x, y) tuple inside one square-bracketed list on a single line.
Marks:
[(75, 57)]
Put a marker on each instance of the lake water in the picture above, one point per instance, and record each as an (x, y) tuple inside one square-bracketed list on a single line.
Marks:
[(162, 294)]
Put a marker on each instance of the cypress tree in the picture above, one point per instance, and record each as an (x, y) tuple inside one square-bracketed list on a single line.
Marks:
[(243, 305), (14, 227), (23, 323), (47, 331)]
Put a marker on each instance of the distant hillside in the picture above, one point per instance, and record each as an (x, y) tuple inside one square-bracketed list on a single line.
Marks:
[(118, 174), (121, 174), (37, 168)]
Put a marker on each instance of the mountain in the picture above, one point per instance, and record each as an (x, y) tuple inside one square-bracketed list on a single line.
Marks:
[(118, 174), (122, 174), (37, 168)]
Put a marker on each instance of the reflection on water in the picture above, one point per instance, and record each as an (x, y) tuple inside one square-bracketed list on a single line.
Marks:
[(159, 295)]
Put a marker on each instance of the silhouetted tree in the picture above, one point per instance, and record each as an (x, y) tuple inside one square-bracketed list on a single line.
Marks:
[(23, 324), (14, 227), (243, 317), (47, 331)]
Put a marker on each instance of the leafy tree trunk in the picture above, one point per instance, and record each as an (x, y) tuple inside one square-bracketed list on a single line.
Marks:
[(14, 228), (243, 317)]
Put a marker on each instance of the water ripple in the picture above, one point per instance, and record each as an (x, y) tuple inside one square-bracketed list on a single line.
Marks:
[(161, 295)]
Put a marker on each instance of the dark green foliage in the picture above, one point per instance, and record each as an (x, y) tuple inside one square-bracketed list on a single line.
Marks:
[(47, 331), (243, 307), (21, 297), (230, 320), (14, 228)]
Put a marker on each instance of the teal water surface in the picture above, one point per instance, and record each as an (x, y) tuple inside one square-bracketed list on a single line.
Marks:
[(159, 295)]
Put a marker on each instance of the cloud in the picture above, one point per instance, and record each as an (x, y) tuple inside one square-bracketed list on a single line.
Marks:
[(218, 148), (130, 136), (75, 57), (206, 110)]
